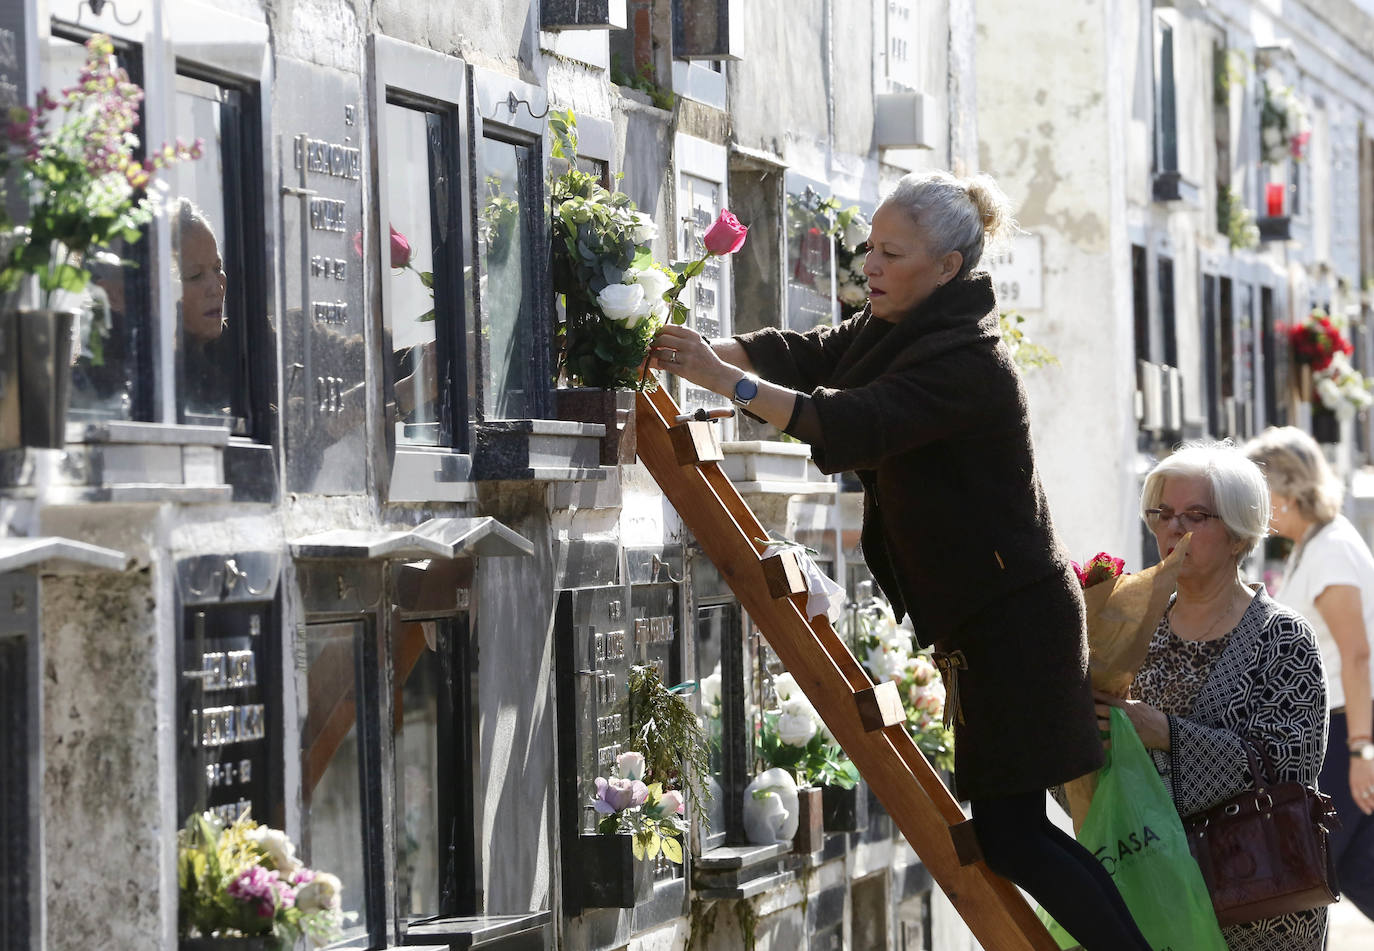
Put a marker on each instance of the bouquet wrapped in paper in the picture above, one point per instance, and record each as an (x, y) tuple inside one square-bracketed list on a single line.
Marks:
[(1123, 611)]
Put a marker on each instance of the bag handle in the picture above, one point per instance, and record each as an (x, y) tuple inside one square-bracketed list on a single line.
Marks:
[(1255, 753)]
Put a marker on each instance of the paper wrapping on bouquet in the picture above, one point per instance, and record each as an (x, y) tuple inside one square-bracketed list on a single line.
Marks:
[(1123, 613), (824, 595)]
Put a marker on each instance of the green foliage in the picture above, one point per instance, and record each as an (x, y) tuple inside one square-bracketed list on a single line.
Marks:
[(654, 828), (820, 762), (1235, 220), (1026, 354), (642, 81), (664, 728)]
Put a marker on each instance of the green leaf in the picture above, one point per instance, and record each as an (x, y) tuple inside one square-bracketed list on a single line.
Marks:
[(427, 279)]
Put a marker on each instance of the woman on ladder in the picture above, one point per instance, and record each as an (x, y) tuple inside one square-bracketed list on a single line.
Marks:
[(918, 396)]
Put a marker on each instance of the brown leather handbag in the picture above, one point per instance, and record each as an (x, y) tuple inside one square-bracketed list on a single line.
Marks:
[(1265, 852)]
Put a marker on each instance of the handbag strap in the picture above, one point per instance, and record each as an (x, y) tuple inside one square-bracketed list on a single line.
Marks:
[(1262, 775)]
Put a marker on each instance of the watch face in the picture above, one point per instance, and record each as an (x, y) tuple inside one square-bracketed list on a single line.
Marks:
[(1367, 751), (746, 389)]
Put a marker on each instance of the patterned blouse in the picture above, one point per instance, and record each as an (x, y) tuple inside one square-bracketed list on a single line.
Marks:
[(1264, 680)]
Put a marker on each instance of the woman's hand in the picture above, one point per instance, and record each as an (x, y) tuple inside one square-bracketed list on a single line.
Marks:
[(1150, 722), (1362, 784), (683, 352)]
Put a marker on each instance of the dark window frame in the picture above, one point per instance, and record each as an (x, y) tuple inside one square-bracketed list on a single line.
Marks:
[(1166, 105), (129, 55), (244, 203), (504, 110)]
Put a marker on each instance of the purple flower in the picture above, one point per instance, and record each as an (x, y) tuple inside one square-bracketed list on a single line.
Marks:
[(617, 795), (264, 888)]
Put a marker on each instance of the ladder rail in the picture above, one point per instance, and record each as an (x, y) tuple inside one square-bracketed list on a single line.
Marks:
[(826, 671)]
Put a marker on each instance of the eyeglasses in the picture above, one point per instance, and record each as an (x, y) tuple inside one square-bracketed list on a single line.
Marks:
[(1188, 520)]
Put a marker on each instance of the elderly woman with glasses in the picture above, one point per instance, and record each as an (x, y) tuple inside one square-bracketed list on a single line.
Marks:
[(1226, 661), (918, 396)]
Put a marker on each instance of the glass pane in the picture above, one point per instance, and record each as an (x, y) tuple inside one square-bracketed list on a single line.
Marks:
[(809, 250), (207, 349), (409, 316), (508, 332), (416, 668), (110, 332), (331, 784), (713, 626)]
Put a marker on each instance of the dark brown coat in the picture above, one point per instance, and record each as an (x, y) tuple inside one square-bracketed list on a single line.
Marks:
[(931, 414)]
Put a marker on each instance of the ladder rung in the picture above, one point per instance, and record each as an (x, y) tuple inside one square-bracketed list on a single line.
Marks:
[(695, 442), (880, 706), (966, 845), (784, 574)]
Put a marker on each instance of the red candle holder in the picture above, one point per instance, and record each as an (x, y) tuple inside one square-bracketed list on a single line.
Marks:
[(1273, 199)]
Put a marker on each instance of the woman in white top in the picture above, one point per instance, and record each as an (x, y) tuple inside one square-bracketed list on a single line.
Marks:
[(1329, 579)]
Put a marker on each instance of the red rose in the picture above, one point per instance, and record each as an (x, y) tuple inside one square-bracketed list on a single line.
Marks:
[(726, 236), (400, 249)]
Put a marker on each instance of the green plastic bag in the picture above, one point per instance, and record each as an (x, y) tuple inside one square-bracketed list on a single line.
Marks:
[(1134, 831)]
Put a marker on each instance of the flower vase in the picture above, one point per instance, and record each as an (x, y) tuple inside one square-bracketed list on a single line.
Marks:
[(43, 347), (611, 875), (810, 835), (261, 943), (1326, 425), (844, 810), (612, 408)]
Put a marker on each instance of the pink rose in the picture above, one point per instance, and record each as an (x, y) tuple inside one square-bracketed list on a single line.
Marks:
[(672, 803), (400, 249), (726, 236)]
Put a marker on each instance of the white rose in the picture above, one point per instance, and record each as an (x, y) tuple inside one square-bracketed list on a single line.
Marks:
[(856, 232), (319, 894), (795, 728), (1272, 139), (623, 302), (784, 685), (851, 294), (1328, 392), (630, 765), (278, 847), (710, 691), (643, 229), (655, 284)]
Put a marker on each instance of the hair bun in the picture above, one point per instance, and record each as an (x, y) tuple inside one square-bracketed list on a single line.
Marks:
[(994, 208)]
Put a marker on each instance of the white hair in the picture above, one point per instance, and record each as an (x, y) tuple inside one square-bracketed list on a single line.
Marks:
[(956, 214), (1239, 492)]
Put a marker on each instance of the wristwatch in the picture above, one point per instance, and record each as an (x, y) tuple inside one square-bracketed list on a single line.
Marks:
[(1363, 751), (746, 389)]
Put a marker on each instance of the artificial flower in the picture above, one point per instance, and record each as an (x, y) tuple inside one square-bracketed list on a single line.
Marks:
[(616, 795), (322, 893), (630, 766), (797, 723)]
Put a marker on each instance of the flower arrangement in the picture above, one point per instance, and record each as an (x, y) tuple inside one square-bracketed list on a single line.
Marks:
[(650, 814), (793, 737), (1341, 388), (74, 159), (1317, 340), (1283, 121), (885, 651), (616, 296), (1235, 220), (665, 731), (1025, 353), (1101, 567), (851, 249), (245, 880)]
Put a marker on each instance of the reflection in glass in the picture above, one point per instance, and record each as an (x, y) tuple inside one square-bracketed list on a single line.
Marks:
[(417, 671), (712, 627), (208, 344), (409, 317), (331, 787), (809, 252), (508, 330), (109, 369)]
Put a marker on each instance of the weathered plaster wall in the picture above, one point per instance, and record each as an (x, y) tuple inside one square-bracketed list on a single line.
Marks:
[(1045, 132)]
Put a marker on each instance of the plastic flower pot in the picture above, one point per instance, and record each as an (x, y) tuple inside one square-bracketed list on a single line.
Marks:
[(611, 875), (44, 351), (844, 810)]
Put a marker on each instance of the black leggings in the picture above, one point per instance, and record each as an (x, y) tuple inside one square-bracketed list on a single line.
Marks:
[(1021, 844)]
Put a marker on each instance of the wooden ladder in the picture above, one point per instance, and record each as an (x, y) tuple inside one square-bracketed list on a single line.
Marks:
[(866, 720)]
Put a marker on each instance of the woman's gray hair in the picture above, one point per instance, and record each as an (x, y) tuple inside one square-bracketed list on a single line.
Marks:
[(1295, 467), (956, 214), (1239, 492)]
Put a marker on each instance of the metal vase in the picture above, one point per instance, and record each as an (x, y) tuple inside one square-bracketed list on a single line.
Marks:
[(45, 376)]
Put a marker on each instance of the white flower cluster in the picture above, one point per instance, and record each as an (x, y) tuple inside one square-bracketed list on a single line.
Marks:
[(1341, 388), (889, 657), (639, 295), (1286, 118), (851, 286), (798, 720)]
